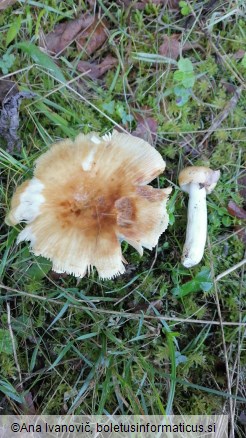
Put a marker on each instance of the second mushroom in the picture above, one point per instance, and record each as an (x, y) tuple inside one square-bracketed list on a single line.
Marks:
[(197, 181)]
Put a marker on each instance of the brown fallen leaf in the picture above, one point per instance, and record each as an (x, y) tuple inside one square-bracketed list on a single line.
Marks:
[(91, 70), (4, 4), (171, 46), (28, 405), (56, 275), (146, 128), (65, 33), (93, 37), (95, 71), (230, 88), (239, 54), (236, 211)]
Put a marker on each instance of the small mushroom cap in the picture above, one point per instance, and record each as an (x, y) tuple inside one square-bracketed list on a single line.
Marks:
[(201, 175)]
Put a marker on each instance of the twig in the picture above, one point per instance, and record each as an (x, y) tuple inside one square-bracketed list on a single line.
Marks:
[(229, 236), (228, 271), (124, 314), (13, 345)]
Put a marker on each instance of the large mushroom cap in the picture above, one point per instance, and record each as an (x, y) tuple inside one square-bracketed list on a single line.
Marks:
[(201, 175), (88, 195)]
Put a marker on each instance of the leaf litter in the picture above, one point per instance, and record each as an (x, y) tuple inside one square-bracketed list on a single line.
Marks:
[(172, 47), (89, 32), (93, 37), (65, 34), (146, 127), (95, 71), (236, 211)]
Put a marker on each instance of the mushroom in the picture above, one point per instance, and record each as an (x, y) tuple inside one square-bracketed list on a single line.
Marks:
[(88, 195), (197, 181)]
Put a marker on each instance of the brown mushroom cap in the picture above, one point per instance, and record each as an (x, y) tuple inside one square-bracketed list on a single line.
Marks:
[(86, 196), (201, 175)]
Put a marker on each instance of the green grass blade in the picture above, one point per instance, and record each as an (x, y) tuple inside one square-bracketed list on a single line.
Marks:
[(41, 59)]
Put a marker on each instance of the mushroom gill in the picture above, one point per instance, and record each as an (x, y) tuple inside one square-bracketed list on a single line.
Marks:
[(88, 195)]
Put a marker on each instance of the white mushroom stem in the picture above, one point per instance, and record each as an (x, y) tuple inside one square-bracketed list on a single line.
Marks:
[(196, 232)]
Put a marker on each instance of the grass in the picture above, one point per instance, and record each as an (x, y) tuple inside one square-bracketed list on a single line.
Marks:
[(93, 346)]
